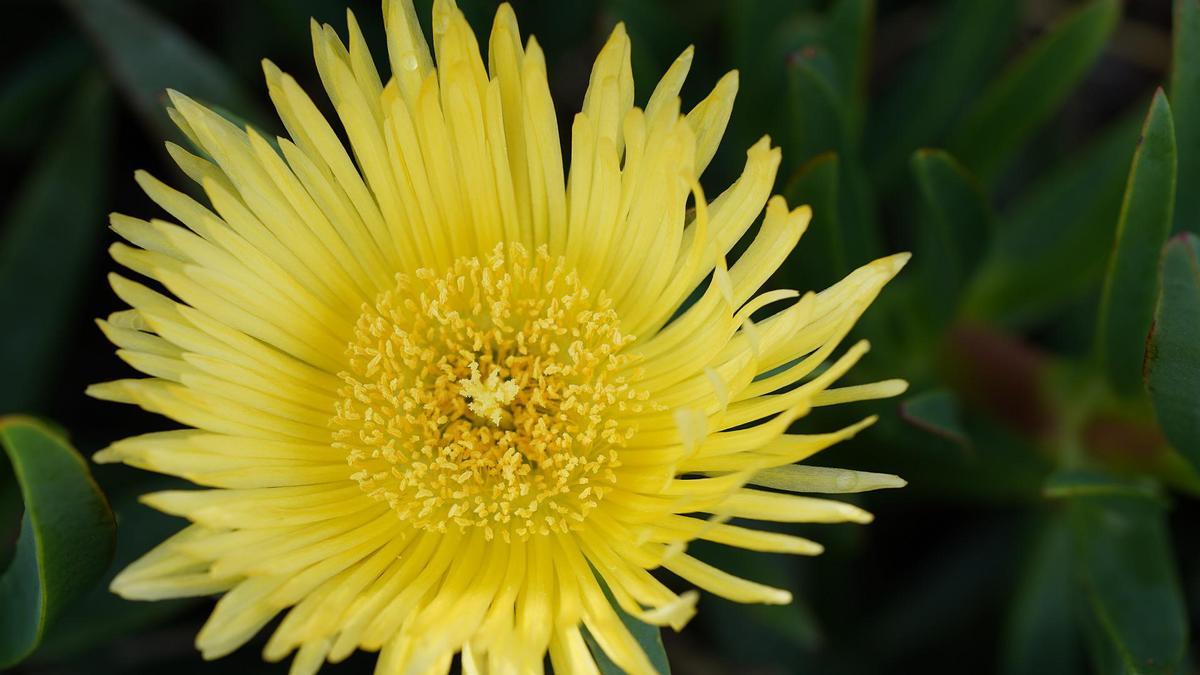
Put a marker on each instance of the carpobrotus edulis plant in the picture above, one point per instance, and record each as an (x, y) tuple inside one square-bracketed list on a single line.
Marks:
[(448, 397)]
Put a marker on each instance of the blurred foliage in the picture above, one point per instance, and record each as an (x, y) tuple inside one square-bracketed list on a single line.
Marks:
[(1052, 434)]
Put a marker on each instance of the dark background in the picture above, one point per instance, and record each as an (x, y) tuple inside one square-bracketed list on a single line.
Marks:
[(935, 585)]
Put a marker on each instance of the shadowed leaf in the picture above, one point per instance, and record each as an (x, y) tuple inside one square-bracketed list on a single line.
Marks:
[(1127, 566), (971, 38), (819, 260), (1041, 635), (938, 413), (50, 236), (1185, 103), (955, 226), (1032, 89), (1052, 244), (146, 56)]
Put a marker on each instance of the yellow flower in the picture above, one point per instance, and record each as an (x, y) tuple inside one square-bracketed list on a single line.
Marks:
[(443, 396)]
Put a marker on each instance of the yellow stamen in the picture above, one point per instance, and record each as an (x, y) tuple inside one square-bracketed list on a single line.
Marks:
[(486, 396)]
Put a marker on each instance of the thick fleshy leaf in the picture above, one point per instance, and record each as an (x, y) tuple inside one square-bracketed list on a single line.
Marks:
[(848, 33), (1054, 240), (99, 616), (818, 124), (66, 538), (1128, 570), (817, 118), (1185, 102), (1041, 635), (1173, 355), (146, 55), (819, 261), (33, 86), (953, 230), (1132, 282), (51, 235), (969, 42), (938, 413), (1031, 89)]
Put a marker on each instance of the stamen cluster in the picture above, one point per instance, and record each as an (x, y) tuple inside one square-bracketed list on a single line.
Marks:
[(487, 395)]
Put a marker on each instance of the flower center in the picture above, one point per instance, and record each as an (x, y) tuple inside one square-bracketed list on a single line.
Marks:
[(487, 396)]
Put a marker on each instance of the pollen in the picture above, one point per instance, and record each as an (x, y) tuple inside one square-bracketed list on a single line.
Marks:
[(487, 396)]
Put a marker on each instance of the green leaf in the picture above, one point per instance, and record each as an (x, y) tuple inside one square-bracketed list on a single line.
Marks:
[(49, 239), (931, 92), (1053, 243), (1185, 102), (146, 55), (818, 120), (1127, 567), (1031, 89), (648, 637), (818, 125), (99, 616), (35, 85), (820, 259), (66, 536), (1041, 636), (748, 21), (956, 224), (848, 38), (1173, 356), (938, 413), (1131, 285)]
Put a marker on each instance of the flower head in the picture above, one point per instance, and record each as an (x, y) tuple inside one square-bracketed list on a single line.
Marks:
[(444, 397)]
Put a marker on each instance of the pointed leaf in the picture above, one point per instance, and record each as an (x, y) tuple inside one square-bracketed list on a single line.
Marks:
[(1173, 357), (820, 259), (1185, 102), (954, 228), (1131, 284), (848, 33), (971, 38), (36, 85), (66, 539), (818, 120), (1032, 89), (938, 413), (99, 617), (49, 239), (146, 55), (1053, 242), (1041, 636), (1132, 587), (819, 124)]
